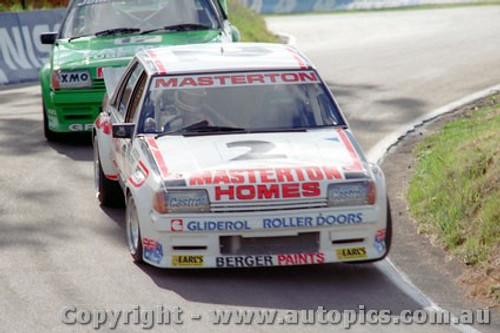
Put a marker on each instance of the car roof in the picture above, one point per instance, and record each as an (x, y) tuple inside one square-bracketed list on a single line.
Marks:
[(222, 57)]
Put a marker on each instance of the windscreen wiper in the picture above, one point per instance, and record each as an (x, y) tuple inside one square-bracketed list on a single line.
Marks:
[(117, 31), (202, 128), (76, 37), (179, 27)]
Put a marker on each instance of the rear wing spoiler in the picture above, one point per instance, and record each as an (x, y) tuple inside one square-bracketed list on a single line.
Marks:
[(112, 76)]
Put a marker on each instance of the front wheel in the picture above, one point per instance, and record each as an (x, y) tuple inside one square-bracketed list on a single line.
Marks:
[(49, 135), (134, 238)]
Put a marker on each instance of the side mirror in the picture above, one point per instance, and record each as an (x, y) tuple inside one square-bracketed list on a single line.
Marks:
[(123, 131), (48, 37)]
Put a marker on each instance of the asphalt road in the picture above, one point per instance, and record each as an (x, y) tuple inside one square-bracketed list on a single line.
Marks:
[(60, 250)]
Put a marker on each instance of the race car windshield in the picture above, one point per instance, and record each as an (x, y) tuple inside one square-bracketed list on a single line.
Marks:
[(88, 17), (236, 102)]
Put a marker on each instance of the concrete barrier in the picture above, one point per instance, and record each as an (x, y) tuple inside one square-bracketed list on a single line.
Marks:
[(302, 6), (21, 52)]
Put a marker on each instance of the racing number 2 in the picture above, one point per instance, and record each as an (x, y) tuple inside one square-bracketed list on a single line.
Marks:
[(258, 150)]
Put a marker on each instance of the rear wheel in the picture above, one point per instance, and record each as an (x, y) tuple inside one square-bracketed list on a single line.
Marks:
[(134, 238), (109, 192)]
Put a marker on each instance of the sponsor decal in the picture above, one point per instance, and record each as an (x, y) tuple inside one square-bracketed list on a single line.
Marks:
[(74, 79), (309, 221), (119, 52), (301, 258), (270, 183), (184, 260), (180, 225), (80, 127), (265, 175), (347, 253), (176, 225), (244, 261), (234, 79), (218, 225), (138, 40), (274, 191), (351, 218), (52, 117), (153, 250), (181, 200), (271, 260), (379, 241)]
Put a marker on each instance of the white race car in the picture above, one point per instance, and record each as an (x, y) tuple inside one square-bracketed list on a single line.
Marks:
[(236, 155)]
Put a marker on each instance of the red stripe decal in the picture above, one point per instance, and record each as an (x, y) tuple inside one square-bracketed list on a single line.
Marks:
[(146, 174), (112, 177), (158, 63), (356, 165), (297, 58), (157, 156)]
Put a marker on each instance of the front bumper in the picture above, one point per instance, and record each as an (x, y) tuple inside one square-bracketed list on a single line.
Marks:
[(264, 238), (73, 110)]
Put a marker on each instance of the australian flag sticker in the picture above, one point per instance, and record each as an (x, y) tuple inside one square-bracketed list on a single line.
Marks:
[(153, 251)]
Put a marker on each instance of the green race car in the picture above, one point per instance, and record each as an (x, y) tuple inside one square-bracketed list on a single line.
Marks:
[(107, 33)]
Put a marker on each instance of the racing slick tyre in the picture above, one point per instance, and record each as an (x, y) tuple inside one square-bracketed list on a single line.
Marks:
[(134, 238), (388, 238), (109, 192), (49, 135)]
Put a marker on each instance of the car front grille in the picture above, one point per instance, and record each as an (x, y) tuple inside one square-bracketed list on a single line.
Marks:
[(98, 84), (257, 206), (237, 245)]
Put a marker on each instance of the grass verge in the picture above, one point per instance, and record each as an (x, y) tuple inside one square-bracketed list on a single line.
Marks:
[(252, 26), (454, 193)]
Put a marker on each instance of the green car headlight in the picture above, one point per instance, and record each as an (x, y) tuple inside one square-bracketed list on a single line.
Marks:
[(181, 201), (352, 194)]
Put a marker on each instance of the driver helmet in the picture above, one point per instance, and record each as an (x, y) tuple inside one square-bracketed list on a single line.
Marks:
[(190, 100)]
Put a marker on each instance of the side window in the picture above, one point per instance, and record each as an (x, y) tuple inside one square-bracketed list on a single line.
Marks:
[(136, 97), (126, 93), (328, 110)]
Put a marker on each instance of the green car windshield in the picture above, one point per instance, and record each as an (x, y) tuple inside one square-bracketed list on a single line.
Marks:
[(105, 17)]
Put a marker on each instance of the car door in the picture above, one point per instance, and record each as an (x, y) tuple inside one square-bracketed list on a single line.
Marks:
[(125, 104), (132, 116)]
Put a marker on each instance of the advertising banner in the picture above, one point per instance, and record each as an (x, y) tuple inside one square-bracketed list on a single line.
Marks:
[(21, 52)]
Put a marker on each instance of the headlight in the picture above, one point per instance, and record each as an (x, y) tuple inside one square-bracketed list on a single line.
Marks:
[(181, 201), (351, 194), (70, 79)]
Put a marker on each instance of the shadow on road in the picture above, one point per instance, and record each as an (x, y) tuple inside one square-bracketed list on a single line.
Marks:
[(78, 147), (333, 286)]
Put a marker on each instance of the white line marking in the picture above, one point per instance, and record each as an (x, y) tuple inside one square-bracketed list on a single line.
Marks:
[(377, 154)]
